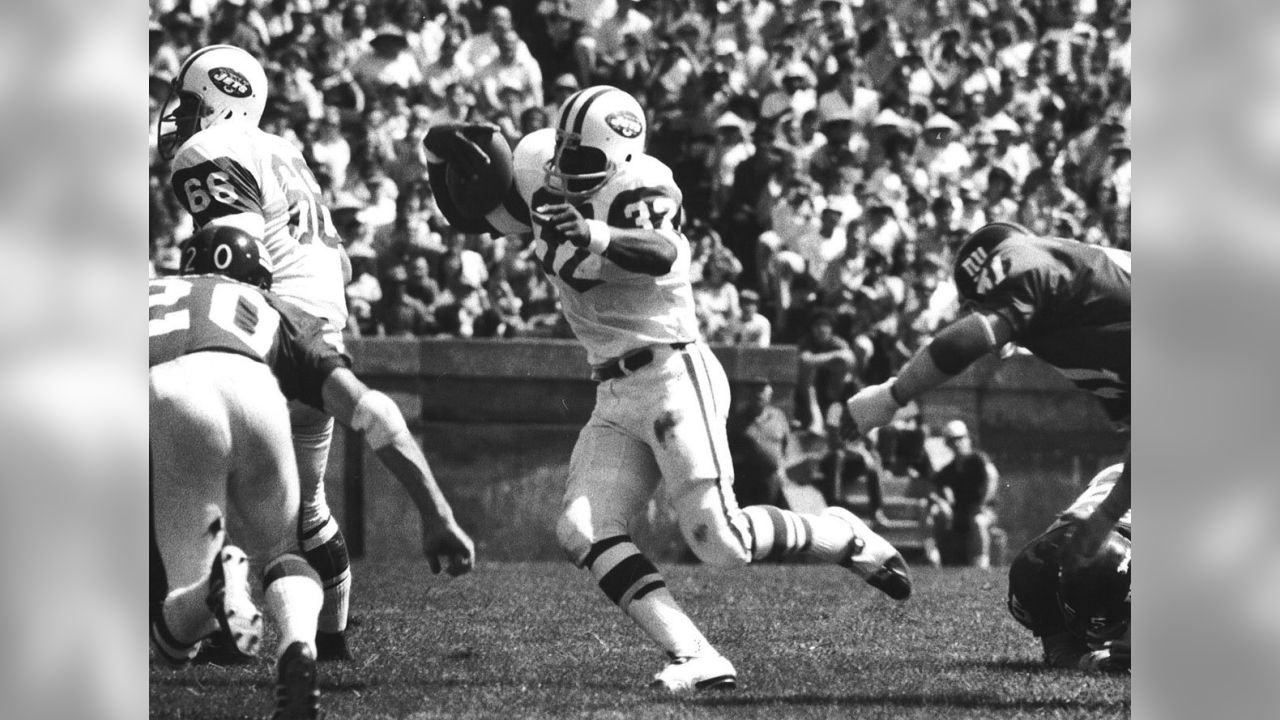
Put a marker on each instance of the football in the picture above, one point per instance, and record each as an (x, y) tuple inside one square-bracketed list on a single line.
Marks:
[(477, 188)]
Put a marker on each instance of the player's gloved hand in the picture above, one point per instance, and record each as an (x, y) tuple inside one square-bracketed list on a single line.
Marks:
[(873, 406), (1104, 660), (460, 145), (1119, 655), (566, 220), (449, 547)]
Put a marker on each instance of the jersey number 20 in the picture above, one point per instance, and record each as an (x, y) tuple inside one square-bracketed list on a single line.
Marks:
[(239, 310)]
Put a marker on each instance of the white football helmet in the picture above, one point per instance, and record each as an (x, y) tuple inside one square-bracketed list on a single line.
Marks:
[(216, 84), (598, 130)]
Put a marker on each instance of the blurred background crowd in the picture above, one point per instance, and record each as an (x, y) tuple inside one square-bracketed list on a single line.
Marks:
[(832, 153)]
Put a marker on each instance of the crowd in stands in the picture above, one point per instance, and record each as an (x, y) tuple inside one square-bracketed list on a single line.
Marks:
[(832, 153)]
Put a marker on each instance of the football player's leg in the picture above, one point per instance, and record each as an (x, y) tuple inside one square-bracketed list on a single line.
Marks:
[(693, 452), (692, 449), (264, 493), (190, 440), (611, 477), (323, 544)]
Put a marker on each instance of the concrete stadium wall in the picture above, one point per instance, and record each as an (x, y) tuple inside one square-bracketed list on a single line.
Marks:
[(498, 420)]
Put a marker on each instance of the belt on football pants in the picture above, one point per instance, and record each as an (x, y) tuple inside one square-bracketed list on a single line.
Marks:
[(628, 364)]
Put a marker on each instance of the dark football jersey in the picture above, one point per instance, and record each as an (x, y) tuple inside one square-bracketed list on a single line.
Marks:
[(1068, 303), (210, 313), (1033, 581)]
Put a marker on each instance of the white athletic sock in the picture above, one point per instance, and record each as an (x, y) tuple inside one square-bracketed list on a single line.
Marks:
[(632, 582), (325, 549), (782, 533), (293, 598)]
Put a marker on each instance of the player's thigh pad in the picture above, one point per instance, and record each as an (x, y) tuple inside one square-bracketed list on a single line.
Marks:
[(611, 477)]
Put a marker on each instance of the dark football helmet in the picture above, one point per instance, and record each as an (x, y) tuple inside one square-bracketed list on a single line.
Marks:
[(1094, 597), (227, 251), (973, 270)]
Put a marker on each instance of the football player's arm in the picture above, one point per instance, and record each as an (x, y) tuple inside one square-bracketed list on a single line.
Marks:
[(952, 350), (1092, 531), (641, 250), (371, 412)]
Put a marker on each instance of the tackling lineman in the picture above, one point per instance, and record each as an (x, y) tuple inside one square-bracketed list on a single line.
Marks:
[(1065, 301), (227, 172), (1079, 610), (605, 221), (228, 324)]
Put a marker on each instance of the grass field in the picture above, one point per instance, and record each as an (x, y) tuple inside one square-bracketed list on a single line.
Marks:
[(537, 640)]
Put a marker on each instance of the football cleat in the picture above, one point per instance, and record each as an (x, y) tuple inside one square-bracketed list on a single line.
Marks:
[(873, 559), (705, 672), (297, 684), (332, 647), (231, 603)]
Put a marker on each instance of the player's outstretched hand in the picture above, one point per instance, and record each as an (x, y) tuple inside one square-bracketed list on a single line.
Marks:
[(872, 406), (449, 547), (565, 219), (462, 145)]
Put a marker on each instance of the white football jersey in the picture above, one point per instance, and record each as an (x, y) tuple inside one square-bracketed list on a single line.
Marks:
[(613, 311), (1099, 488), (229, 169)]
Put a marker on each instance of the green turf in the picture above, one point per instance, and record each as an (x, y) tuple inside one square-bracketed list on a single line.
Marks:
[(517, 640)]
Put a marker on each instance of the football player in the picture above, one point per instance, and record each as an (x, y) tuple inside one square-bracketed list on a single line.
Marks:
[(606, 222), (1063, 300), (228, 172), (1078, 609), (211, 315)]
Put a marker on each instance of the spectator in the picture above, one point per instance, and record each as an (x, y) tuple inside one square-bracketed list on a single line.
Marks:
[(603, 46), (715, 298), (481, 50), (759, 445), (851, 97), (387, 63), (459, 106), (826, 363), (1049, 200), (963, 491), (753, 328), (448, 69), (941, 154), (398, 314), (506, 71), (231, 25)]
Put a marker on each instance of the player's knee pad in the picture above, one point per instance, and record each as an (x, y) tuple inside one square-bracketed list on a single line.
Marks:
[(574, 535), (717, 536)]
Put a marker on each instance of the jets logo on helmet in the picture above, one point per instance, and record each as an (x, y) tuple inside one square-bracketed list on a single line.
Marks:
[(598, 131), (230, 82), (216, 84), (625, 124)]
